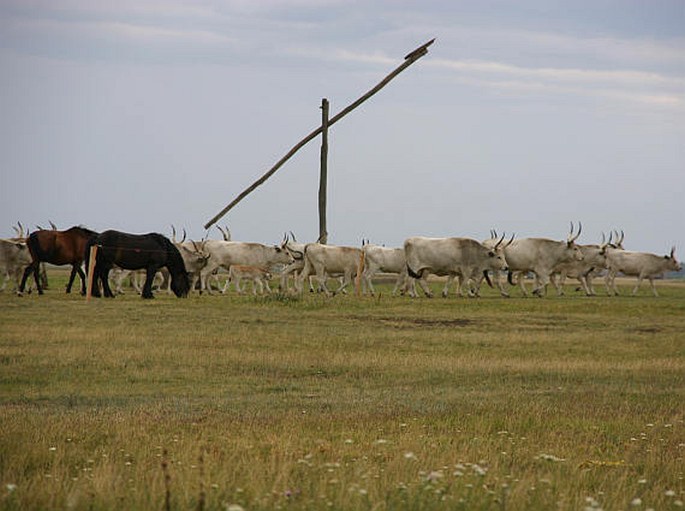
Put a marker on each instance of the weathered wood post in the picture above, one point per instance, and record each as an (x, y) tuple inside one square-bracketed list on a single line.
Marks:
[(91, 271), (323, 178)]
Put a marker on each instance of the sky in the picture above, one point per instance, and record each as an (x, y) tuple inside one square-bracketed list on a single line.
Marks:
[(524, 116)]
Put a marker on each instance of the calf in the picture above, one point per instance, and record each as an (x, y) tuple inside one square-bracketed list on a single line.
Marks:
[(259, 276)]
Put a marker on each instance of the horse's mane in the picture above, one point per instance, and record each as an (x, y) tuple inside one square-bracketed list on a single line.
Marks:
[(83, 230)]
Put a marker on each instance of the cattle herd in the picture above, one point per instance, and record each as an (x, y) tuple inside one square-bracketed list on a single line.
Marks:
[(185, 266)]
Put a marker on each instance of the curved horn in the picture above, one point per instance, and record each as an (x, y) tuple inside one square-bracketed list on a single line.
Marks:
[(570, 234), (293, 236), (22, 234), (39, 227), (228, 233), (580, 229), (673, 252), (511, 240), (500, 240), (622, 236), (184, 235), (173, 233), (52, 225)]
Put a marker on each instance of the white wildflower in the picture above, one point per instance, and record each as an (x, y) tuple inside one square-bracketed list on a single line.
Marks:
[(409, 456), (435, 475), (669, 493), (636, 502), (11, 487)]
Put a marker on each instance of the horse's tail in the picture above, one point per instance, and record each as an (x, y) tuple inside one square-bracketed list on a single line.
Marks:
[(180, 282)]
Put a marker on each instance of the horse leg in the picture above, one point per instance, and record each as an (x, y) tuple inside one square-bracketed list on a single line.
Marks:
[(72, 275), (22, 285), (82, 276), (149, 279), (103, 274)]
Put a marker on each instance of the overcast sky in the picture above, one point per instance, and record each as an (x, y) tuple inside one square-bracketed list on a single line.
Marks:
[(525, 115)]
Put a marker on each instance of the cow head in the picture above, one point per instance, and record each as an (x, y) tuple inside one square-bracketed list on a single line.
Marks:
[(288, 245)]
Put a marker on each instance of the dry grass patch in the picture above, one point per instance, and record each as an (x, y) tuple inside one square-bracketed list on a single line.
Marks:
[(347, 403)]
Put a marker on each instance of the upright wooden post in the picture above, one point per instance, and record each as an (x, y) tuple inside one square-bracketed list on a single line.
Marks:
[(323, 178), (91, 271)]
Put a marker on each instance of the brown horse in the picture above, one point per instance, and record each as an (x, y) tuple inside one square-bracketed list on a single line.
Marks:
[(60, 248)]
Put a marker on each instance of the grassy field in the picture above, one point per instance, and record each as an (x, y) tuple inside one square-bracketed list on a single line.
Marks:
[(227, 402)]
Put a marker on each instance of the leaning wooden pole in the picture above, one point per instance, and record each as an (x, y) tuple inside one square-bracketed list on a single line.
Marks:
[(323, 178), (408, 61)]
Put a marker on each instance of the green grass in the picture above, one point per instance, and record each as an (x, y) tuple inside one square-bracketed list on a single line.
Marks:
[(342, 403)]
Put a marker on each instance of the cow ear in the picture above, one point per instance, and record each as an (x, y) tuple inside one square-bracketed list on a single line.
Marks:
[(491, 253)]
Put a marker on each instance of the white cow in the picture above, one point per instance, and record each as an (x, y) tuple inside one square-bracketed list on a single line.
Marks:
[(325, 260), (224, 254), (638, 264), (462, 258), (14, 258), (594, 260), (386, 260), (541, 256)]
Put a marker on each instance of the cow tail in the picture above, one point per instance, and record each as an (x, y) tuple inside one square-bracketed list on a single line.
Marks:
[(412, 273), (487, 278), (509, 277)]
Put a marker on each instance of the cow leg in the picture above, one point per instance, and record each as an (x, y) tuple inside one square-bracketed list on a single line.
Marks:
[(558, 284), (367, 283), (423, 275), (257, 287), (651, 283), (541, 282), (346, 280), (639, 283), (610, 282)]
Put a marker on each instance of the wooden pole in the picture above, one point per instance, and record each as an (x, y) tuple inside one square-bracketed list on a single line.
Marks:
[(323, 178), (91, 271), (408, 61)]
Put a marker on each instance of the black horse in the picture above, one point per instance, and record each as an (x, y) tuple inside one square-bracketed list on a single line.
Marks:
[(135, 252)]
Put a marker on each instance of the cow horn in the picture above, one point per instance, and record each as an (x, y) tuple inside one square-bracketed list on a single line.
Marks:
[(511, 240), (228, 233), (571, 238), (622, 236), (184, 235), (52, 225), (39, 227), (21, 230), (673, 252), (293, 236), (500, 240)]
